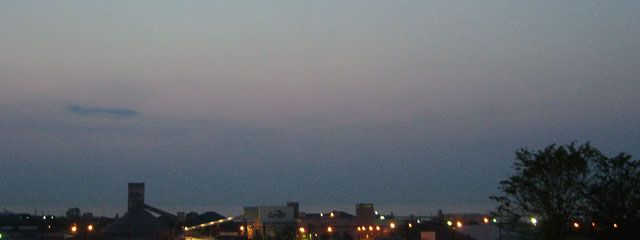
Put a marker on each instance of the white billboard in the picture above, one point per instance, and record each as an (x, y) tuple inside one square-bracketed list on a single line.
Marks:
[(276, 214)]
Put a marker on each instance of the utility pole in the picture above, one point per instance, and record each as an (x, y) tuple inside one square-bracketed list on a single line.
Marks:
[(264, 231)]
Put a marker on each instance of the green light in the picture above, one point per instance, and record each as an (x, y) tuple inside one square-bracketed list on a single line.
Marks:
[(449, 223), (494, 220)]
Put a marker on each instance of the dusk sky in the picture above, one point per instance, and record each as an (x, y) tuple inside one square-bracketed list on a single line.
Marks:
[(416, 105)]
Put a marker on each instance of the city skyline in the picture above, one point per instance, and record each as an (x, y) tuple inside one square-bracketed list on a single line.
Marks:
[(230, 104)]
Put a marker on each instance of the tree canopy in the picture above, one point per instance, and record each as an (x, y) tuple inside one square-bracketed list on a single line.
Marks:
[(560, 185), (613, 197)]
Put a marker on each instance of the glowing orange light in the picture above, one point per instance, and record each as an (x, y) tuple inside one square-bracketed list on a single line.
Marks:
[(301, 229), (486, 220), (378, 228), (370, 228), (90, 227), (241, 228), (615, 225), (576, 225), (393, 225), (329, 229), (410, 225), (332, 214), (459, 224), (74, 229)]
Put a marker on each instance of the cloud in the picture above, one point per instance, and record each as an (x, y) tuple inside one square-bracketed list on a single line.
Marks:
[(116, 112)]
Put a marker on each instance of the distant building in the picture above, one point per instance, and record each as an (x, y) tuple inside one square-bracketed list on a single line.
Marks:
[(276, 222), (270, 221), (136, 195), (296, 208), (365, 213), (139, 223), (333, 224)]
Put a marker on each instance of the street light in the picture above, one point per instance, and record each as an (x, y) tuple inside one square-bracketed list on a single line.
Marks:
[(534, 221), (459, 224), (90, 227), (301, 229), (495, 220), (576, 225), (392, 225), (450, 224)]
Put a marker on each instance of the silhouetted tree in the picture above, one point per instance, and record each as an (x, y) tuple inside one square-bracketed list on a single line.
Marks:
[(549, 186), (613, 196), (562, 184)]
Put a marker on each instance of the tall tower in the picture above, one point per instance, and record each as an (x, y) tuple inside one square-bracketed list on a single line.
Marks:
[(136, 195)]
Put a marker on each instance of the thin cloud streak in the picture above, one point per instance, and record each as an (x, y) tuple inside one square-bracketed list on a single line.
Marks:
[(86, 111)]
